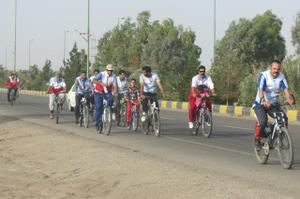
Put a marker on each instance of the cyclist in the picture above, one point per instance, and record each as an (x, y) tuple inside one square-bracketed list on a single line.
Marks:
[(12, 82), (270, 83), (83, 87), (122, 88), (198, 81), (149, 81), (96, 71), (56, 85), (106, 86), (132, 96)]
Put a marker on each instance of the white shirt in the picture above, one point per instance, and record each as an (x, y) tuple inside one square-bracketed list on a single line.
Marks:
[(206, 80), (270, 86), (150, 83), (122, 85), (107, 80), (57, 83)]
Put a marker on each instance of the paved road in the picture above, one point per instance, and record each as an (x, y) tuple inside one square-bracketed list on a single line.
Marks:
[(228, 150)]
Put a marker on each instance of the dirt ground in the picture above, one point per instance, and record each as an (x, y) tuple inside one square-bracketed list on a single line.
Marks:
[(38, 162)]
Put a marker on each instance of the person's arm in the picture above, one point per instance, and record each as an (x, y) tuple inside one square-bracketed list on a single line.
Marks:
[(211, 86), (142, 83), (161, 88), (261, 88), (288, 96)]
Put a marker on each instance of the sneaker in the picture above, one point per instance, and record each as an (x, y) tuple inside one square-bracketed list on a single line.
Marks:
[(191, 125), (258, 145), (207, 123), (51, 116)]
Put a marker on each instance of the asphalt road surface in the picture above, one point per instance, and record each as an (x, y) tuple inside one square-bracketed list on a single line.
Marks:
[(229, 149)]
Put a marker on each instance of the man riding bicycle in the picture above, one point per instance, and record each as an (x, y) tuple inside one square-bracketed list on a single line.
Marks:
[(12, 82), (270, 83), (199, 81), (122, 89), (92, 78), (106, 87), (149, 82), (83, 88), (57, 86)]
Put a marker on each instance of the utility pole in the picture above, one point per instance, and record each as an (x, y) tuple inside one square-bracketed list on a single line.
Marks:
[(15, 45), (215, 27), (88, 41), (29, 53), (65, 32)]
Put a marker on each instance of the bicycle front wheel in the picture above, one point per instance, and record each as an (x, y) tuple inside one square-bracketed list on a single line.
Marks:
[(156, 123), (57, 113), (135, 121), (86, 116), (207, 123), (285, 148), (107, 121), (12, 97)]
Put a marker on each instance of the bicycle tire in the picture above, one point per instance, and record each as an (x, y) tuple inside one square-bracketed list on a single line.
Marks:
[(146, 125), (285, 138), (261, 155), (156, 123), (11, 97), (107, 121), (57, 113), (86, 117), (207, 123), (195, 129), (135, 121)]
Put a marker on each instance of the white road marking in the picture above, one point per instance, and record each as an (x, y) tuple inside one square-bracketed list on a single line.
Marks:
[(215, 147), (236, 127), (168, 118)]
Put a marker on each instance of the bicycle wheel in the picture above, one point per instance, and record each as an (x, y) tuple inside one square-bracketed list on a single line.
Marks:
[(156, 123), (262, 154), (86, 117), (135, 121), (146, 125), (195, 129), (57, 112), (285, 148), (107, 121), (207, 123), (12, 97)]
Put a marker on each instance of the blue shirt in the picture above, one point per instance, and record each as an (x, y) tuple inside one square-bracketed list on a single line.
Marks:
[(83, 86), (271, 87)]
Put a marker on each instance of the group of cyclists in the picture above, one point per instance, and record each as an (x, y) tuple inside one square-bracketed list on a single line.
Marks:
[(111, 87), (115, 88)]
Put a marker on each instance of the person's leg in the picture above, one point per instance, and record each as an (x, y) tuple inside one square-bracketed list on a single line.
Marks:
[(129, 116), (262, 118), (62, 98), (110, 99), (8, 94), (192, 111), (77, 99), (98, 107), (208, 104), (51, 104)]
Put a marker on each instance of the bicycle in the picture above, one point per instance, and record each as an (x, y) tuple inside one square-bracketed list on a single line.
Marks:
[(152, 118), (203, 116), (134, 123), (122, 120), (105, 125), (13, 95), (276, 137), (84, 112), (58, 106)]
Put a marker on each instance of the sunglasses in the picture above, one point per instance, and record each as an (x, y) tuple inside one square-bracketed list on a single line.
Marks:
[(202, 71)]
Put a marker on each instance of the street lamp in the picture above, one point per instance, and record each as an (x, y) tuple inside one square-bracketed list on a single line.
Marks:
[(15, 45), (119, 19), (65, 32), (88, 41), (29, 45), (215, 26)]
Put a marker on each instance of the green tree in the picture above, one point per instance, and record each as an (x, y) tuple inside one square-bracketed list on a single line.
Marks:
[(248, 46), (74, 65), (46, 74), (296, 34)]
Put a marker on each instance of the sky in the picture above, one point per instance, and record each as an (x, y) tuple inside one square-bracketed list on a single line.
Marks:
[(44, 22)]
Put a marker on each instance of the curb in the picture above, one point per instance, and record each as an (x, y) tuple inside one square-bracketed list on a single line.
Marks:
[(238, 111)]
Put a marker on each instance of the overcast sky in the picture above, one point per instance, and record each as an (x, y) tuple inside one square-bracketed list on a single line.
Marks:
[(46, 20)]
